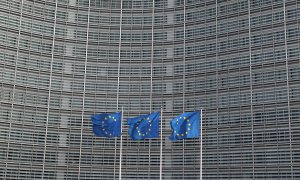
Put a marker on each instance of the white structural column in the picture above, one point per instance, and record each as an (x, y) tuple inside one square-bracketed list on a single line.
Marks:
[(119, 56), (152, 53), (184, 53), (49, 91), (183, 83), (118, 92), (170, 55), (251, 88), (14, 88), (217, 73), (151, 81), (61, 155), (84, 83), (169, 88), (288, 90), (64, 121), (168, 107)]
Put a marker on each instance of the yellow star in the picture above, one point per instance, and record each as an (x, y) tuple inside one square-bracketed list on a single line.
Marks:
[(189, 124), (186, 132), (189, 129), (184, 117), (182, 134)]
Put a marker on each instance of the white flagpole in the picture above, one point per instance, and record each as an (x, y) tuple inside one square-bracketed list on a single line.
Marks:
[(201, 144), (120, 170), (161, 141)]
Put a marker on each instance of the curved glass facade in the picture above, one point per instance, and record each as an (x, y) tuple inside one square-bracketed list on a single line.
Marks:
[(62, 61)]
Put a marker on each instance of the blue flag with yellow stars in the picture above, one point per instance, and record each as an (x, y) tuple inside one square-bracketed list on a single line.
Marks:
[(107, 125), (186, 125), (145, 126)]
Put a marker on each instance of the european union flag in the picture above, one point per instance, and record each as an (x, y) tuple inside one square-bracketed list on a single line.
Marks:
[(107, 125), (186, 125), (145, 126)]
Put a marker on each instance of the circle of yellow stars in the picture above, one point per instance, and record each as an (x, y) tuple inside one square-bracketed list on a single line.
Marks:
[(147, 132), (188, 128), (106, 119)]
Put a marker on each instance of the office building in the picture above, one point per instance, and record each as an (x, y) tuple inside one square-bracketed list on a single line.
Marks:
[(62, 61)]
